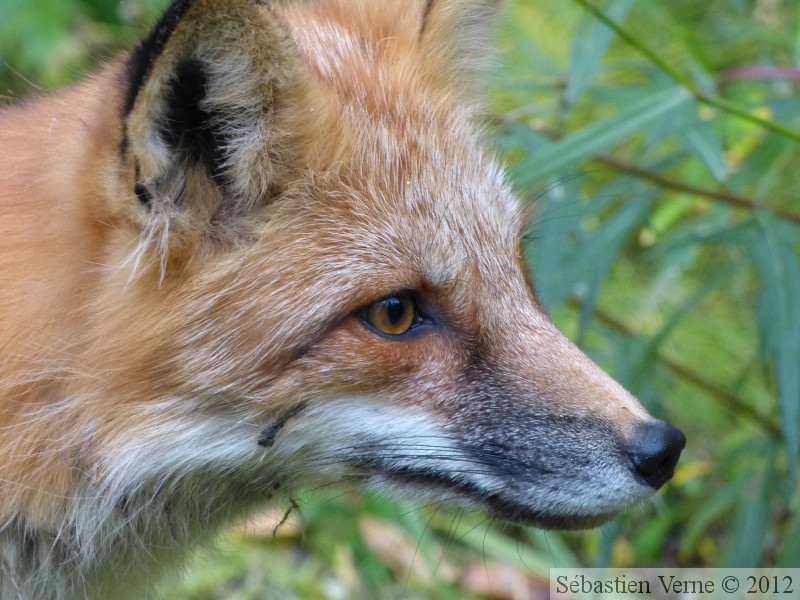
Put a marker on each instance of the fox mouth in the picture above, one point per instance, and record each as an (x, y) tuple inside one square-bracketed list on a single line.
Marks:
[(494, 503), (545, 486)]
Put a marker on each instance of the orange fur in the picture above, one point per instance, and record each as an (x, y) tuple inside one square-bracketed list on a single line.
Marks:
[(158, 316)]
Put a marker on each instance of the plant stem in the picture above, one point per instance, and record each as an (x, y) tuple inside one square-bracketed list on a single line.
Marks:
[(674, 184), (698, 95)]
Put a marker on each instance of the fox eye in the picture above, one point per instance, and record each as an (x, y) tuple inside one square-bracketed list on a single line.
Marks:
[(394, 315)]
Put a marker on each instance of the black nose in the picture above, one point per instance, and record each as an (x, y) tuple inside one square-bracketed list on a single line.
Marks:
[(655, 451)]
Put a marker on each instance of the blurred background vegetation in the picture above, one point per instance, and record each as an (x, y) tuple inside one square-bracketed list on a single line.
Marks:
[(657, 144)]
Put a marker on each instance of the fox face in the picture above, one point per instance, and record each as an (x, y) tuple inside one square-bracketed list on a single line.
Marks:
[(311, 272), (367, 295)]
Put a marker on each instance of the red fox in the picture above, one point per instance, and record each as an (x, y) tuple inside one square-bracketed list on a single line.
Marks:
[(267, 249)]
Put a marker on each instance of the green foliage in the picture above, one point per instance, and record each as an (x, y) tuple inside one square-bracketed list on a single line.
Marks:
[(658, 145), (666, 237), (47, 43)]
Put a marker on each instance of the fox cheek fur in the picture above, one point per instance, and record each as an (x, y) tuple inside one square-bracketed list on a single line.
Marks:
[(194, 247)]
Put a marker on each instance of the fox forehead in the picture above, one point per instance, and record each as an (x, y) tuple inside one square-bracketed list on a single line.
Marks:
[(359, 37), (414, 177), (442, 208)]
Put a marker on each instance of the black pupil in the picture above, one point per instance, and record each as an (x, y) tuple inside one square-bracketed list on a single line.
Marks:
[(395, 310)]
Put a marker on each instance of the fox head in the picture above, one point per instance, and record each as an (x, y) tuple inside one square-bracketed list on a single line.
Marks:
[(320, 278)]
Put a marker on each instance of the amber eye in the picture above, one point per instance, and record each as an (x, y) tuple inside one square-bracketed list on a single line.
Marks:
[(393, 316)]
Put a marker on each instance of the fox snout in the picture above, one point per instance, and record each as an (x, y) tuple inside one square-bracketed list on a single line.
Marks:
[(655, 451), (503, 415)]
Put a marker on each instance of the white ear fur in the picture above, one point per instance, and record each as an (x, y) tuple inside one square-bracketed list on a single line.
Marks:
[(217, 82)]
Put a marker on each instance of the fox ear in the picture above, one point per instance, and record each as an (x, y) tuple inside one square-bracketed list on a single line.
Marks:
[(455, 35), (213, 95)]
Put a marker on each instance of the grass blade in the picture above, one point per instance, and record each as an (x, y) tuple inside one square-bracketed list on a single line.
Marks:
[(588, 51), (578, 147), (779, 319)]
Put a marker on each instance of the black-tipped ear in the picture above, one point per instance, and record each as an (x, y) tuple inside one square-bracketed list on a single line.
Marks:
[(192, 130), (455, 35), (144, 55), (212, 95)]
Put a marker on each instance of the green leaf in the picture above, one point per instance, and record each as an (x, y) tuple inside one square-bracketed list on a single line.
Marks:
[(714, 505), (649, 356), (747, 544), (576, 148), (609, 534), (556, 232), (588, 50), (518, 137), (492, 544), (757, 172), (600, 255), (701, 141), (790, 552), (779, 320)]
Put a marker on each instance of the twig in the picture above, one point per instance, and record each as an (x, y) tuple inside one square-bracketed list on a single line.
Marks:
[(674, 184), (700, 96), (667, 182), (756, 72)]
